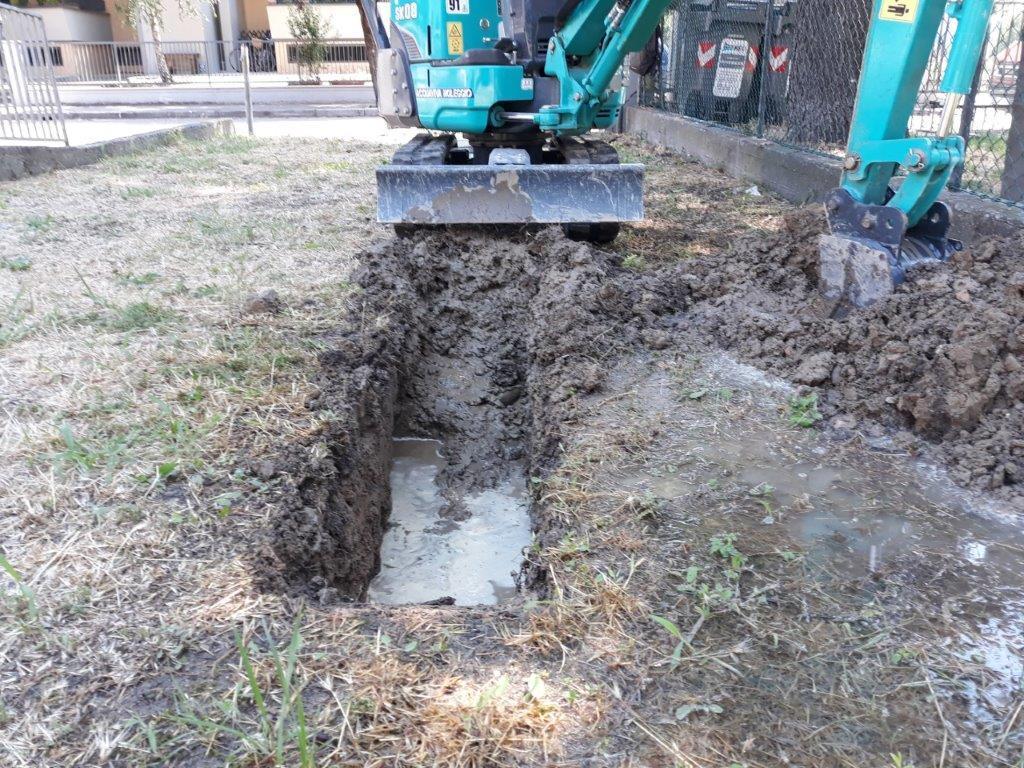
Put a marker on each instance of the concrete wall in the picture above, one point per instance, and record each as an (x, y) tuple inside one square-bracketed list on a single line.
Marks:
[(342, 21), (180, 25), (254, 15), (72, 24), (798, 176)]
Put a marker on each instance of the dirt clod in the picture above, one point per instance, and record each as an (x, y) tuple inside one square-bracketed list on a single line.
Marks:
[(266, 302), (939, 357)]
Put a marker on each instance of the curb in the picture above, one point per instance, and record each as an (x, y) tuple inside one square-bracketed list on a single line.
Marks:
[(18, 162), (796, 175)]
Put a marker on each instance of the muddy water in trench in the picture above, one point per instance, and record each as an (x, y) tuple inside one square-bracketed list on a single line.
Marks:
[(429, 553)]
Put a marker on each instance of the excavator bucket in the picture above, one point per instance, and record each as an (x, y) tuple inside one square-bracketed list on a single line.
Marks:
[(509, 194), (869, 249)]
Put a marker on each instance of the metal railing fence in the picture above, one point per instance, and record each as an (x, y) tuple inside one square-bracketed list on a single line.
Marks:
[(787, 70), (136, 63), (30, 107)]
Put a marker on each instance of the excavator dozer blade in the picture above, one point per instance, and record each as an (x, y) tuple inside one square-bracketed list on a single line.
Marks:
[(510, 194)]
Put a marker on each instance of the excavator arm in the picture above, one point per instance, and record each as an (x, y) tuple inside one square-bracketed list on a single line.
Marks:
[(880, 229), (586, 55)]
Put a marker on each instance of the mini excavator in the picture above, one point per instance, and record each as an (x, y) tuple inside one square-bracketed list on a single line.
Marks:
[(524, 81)]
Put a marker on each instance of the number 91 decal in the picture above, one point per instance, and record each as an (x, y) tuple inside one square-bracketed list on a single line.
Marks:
[(458, 6)]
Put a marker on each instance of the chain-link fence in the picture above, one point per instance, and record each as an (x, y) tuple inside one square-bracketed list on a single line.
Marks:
[(788, 70)]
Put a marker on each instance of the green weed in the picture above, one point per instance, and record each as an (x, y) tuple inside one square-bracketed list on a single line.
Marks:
[(803, 410), (673, 629), (724, 546), (277, 735), (645, 507), (40, 223), (134, 193), (16, 264), (12, 322), (146, 278), (27, 596), (634, 262), (138, 316)]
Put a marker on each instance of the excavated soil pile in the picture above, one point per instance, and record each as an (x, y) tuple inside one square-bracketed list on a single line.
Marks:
[(942, 359), (477, 340)]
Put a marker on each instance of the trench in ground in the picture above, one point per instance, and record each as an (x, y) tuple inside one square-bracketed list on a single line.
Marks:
[(424, 496)]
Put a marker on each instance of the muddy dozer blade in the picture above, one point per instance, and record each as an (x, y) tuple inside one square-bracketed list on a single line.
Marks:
[(485, 194)]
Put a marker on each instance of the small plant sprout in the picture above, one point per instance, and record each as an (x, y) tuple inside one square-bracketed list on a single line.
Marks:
[(724, 545), (762, 495), (673, 629), (634, 262), (16, 263), (535, 687), (803, 410), (645, 507), (28, 597), (492, 693)]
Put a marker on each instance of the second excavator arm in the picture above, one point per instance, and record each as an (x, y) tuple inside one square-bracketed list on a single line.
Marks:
[(880, 229)]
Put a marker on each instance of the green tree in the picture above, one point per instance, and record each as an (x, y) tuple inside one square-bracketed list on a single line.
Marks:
[(310, 30), (151, 13)]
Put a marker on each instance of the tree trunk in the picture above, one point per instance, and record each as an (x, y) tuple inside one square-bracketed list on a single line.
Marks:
[(828, 50), (1013, 167), (161, 61), (369, 42)]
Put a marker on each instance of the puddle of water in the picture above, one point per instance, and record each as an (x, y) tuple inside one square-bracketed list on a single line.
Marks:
[(853, 512), (427, 555)]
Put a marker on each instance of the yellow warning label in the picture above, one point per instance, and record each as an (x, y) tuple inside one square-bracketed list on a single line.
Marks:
[(455, 37), (899, 10)]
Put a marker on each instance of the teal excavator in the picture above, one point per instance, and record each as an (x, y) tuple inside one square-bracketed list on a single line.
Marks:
[(508, 91)]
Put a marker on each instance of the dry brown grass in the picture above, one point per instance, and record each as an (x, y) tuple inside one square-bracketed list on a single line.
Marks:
[(139, 405)]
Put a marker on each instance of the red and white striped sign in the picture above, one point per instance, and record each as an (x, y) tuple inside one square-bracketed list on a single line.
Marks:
[(752, 57), (779, 58), (706, 55)]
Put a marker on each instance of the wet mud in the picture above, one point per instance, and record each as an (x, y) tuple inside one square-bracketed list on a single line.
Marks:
[(937, 366), (829, 578), (475, 340)]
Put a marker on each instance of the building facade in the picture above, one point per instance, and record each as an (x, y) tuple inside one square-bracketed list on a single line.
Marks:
[(90, 40)]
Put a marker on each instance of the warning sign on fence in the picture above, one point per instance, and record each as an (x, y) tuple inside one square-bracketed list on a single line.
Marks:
[(732, 65)]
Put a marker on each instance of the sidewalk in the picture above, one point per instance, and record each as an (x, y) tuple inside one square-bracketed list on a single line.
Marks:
[(232, 94), (91, 141), (195, 111)]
